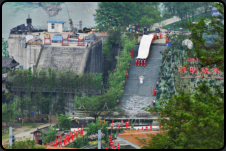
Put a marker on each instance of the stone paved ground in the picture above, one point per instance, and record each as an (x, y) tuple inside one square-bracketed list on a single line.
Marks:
[(135, 95)]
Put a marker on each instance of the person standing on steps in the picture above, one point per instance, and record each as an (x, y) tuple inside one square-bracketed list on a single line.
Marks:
[(153, 102), (141, 78), (118, 102), (127, 75)]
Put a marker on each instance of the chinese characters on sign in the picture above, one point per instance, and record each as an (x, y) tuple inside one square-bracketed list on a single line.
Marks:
[(192, 60), (204, 71), (196, 60)]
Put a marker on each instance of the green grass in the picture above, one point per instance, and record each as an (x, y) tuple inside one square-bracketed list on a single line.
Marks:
[(5, 136), (27, 130), (178, 23)]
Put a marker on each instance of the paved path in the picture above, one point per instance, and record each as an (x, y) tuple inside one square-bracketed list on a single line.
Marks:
[(135, 95), (21, 134), (172, 20)]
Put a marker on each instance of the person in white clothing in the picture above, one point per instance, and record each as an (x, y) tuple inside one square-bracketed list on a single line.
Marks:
[(141, 78)]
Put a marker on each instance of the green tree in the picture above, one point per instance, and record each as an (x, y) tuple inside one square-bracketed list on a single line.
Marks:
[(151, 15), (38, 100), (9, 112), (30, 104), (50, 136), (146, 21), (209, 55), (64, 122), (59, 107), (110, 14), (22, 106), (50, 87), (196, 121), (5, 52)]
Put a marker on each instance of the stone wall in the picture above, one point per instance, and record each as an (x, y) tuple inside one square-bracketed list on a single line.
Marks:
[(94, 61), (59, 57)]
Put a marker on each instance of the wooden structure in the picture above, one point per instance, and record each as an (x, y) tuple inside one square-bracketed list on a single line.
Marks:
[(47, 39), (59, 133), (9, 63), (65, 39)]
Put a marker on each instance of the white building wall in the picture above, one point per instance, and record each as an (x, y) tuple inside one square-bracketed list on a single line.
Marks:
[(25, 56), (58, 28)]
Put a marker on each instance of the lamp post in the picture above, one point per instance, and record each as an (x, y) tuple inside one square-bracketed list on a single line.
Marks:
[(174, 28)]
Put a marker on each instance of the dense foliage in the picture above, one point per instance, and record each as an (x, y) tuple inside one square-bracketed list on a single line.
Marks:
[(5, 52), (199, 119), (210, 55), (9, 112), (187, 10), (50, 136), (92, 128), (28, 144), (95, 104), (64, 79), (196, 118), (64, 122), (113, 14)]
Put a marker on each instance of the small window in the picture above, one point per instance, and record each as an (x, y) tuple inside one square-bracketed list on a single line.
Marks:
[(53, 26)]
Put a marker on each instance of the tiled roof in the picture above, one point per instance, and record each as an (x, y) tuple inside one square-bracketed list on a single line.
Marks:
[(9, 63), (131, 136)]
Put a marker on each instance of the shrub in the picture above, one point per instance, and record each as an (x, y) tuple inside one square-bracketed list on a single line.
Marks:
[(166, 15)]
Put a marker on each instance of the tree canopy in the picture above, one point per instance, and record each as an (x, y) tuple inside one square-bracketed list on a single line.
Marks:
[(203, 31), (196, 119), (112, 14)]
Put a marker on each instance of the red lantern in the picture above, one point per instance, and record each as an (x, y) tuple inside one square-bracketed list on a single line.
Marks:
[(118, 145), (150, 128), (113, 147), (139, 62), (160, 127), (37, 141), (144, 62), (35, 135), (111, 143), (47, 144), (110, 136), (138, 129), (146, 128), (106, 148), (118, 133), (142, 128)]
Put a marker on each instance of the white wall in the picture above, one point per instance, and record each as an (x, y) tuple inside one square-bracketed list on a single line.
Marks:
[(57, 29), (25, 56)]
